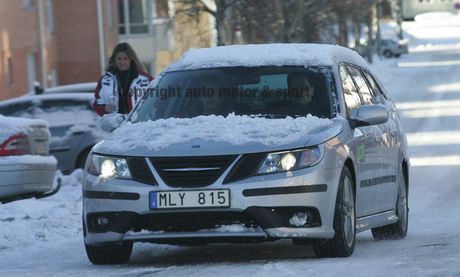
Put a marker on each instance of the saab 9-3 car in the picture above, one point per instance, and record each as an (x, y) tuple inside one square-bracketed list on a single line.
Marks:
[(249, 144)]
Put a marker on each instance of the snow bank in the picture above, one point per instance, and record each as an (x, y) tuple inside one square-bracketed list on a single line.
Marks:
[(33, 223), (236, 130), (265, 55)]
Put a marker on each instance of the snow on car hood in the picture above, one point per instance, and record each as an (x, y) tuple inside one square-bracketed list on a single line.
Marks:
[(216, 135), (14, 125)]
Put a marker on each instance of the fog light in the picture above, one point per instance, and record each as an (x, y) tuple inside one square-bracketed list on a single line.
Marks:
[(102, 221), (299, 219)]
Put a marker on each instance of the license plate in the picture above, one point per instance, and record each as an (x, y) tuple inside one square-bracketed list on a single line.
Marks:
[(40, 148), (189, 199)]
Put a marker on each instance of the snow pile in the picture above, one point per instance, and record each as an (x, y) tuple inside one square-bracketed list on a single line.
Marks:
[(14, 125), (32, 223), (266, 55), (28, 160), (299, 219), (236, 130)]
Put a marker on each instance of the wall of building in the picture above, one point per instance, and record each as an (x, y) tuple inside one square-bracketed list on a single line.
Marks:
[(411, 8), (18, 38), (71, 48)]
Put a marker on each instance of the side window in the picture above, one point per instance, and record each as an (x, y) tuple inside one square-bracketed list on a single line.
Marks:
[(378, 94), (364, 90), (23, 109), (63, 110), (350, 93)]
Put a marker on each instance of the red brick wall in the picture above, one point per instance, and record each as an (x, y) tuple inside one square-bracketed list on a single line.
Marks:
[(18, 37), (73, 48)]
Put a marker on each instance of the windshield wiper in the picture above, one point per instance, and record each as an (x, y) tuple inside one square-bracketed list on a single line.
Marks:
[(269, 115)]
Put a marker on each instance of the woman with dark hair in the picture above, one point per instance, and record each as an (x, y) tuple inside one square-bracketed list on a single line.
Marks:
[(118, 89)]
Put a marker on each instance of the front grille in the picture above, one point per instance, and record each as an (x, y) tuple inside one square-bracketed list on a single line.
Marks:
[(188, 222), (140, 171), (245, 167), (191, 172)]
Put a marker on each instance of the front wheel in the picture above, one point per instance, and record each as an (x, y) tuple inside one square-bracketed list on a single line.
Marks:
[(343, 243), (396, 230)]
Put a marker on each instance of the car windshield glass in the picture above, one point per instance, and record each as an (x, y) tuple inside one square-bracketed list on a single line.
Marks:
[(271, 92)]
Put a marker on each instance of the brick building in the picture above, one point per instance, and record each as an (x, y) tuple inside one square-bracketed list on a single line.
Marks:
[(58, 42), (53, 42)]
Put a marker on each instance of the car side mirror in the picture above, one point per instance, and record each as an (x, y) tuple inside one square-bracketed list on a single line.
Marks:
[(369, 115), (110, 122)]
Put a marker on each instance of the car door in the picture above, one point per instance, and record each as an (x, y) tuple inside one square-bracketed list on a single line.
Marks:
[(381, 163), (65, 117), (363, 145), (391, 143)]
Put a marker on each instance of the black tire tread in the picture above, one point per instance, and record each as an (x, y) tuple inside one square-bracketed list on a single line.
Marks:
[(392, 231), (336, 247)]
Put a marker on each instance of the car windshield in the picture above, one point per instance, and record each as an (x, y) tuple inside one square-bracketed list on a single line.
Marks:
[(272, 92)]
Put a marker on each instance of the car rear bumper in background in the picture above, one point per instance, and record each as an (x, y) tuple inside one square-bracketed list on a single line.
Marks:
[(23, 175)]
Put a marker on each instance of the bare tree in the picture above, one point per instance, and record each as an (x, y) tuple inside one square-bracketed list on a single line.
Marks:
[(194, 7)]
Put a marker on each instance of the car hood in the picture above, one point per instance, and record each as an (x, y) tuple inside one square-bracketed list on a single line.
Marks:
[(217, 135)]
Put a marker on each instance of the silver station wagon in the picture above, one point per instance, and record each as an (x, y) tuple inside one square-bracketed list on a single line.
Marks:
[(250, 143)]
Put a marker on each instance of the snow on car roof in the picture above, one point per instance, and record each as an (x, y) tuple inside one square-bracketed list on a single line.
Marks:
[(266, 55), (13, 125), (80, 87), (66, 96)]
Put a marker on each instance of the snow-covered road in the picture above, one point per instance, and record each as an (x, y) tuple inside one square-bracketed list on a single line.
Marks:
[(43, 237)]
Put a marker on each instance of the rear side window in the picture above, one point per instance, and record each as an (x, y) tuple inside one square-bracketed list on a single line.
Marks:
[(365, 91), (23, 109), (378, 94), (350, 92)]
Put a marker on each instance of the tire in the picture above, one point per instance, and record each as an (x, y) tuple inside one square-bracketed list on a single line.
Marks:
[(396, 230), (108, 254), (397, 55), (387, 54), (343, 243)]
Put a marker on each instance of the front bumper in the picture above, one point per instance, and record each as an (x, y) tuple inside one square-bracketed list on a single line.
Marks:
[(262, 208)]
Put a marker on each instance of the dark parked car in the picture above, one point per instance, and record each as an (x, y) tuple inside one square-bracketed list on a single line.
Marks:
[(73, 125)]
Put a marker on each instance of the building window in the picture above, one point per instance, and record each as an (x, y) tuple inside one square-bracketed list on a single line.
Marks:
[(134, 16), (27, 4), (31, 70), (110, 13), (50, 17), (53, 78), (9, 77)]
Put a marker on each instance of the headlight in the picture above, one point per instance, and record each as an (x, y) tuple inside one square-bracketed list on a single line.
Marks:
[(108, 167), (292, 160)]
